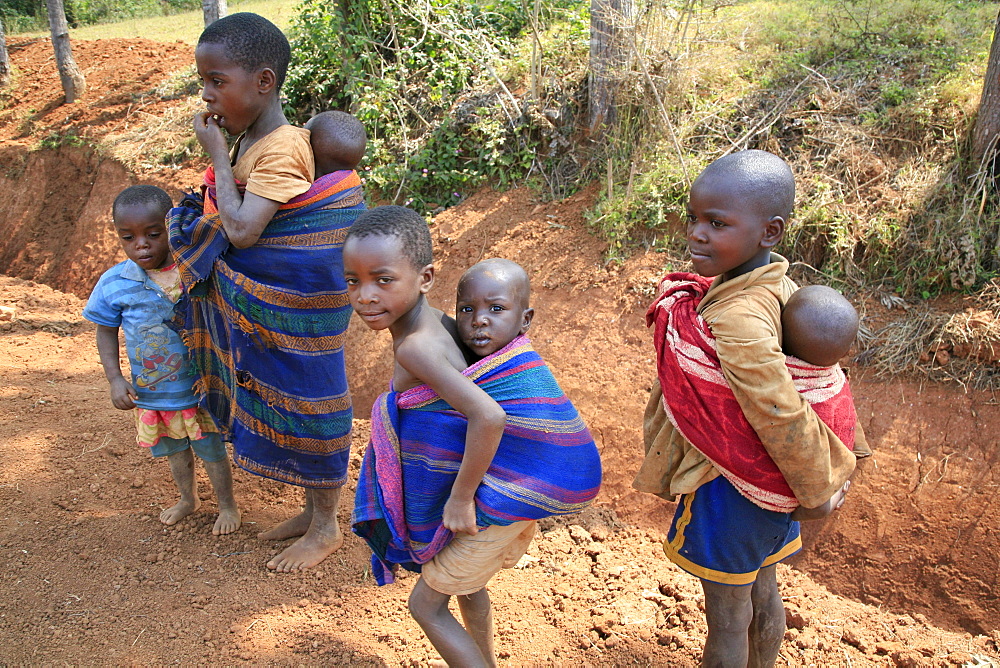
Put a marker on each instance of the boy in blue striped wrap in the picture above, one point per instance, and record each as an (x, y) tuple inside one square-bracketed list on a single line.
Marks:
[(463, 460)]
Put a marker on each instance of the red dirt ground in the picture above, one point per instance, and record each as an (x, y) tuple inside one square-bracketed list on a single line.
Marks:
[(905, 574)]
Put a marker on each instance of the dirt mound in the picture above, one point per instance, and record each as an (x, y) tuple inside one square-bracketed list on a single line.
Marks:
[(905, 574), (122, 80)]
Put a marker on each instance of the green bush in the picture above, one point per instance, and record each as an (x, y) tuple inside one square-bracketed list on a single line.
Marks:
[(90, 12), (23, 15), (870, 103), (428, 87)]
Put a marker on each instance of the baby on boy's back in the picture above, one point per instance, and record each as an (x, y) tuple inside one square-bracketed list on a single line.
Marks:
[(819, 327), (338, 141)]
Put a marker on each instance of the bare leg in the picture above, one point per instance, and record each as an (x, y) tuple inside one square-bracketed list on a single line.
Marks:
[(430, 610), (477, 615), (221, 475), (728, 610), (292, 527), (767, 629), (182, 469), (321, 539)]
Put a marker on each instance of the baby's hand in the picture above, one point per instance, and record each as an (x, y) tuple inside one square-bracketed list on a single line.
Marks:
[(123, 395), (460, 516), (802, 514), (208, 133)]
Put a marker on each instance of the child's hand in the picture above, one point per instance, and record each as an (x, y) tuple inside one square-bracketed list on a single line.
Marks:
[(123, 395), (802, 514), (209, 134), (460, 516)]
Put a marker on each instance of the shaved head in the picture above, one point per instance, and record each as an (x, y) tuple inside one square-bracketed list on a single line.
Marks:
[(503, 271), (818, 325), (762, 179)]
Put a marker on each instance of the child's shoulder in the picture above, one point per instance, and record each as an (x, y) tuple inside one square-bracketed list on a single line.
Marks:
[(285, 137), (428, 350), (429, 337), (111, 293)]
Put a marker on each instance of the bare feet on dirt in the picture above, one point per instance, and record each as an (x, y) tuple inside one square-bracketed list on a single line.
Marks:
[(290, 528), (306, 552), (229, 520), (179, 511)]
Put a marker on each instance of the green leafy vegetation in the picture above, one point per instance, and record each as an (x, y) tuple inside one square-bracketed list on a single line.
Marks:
[(28, 15), (443, 89), (870, 102)]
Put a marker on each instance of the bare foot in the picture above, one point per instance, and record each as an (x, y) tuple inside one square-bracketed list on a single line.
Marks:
[(307, 551), (229, 521), (179, 511), (290, 528)]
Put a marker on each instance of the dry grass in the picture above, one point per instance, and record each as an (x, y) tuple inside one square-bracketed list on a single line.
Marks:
[(152, 140), (962, 347), (184, 26)]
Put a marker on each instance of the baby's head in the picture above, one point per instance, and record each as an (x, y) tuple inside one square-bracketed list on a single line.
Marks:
[(242, 61), (818, 325), (492, 305), (338, 141), (139, 214), (388, 264), (737, 211)]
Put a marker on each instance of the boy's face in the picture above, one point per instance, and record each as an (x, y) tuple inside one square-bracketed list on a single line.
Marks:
[(382, 283), (143, 235), (491, 310), (727, 234), (234, 96)]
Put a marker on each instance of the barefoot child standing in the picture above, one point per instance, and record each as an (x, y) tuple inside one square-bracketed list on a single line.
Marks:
[(726, 426), (138, 296), (463, 460), (265, 304)]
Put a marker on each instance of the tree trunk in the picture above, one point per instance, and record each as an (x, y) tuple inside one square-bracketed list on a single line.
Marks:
[(4, 59), (213, 10), (72, 79), (608, 19), (988, 121)]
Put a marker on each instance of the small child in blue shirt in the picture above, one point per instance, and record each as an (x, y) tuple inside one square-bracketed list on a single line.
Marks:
[(138, 296)]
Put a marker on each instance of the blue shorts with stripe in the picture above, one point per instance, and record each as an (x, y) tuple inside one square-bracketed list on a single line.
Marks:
[(720, 536)]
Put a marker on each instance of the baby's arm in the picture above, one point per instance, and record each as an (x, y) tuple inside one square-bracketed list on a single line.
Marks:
[(244, 217), (486, 423), (122, 392), (803, 514)]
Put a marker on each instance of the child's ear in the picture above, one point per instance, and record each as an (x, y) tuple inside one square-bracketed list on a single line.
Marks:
[(426, 278), (773, 231), (526, 317), (266, 80)]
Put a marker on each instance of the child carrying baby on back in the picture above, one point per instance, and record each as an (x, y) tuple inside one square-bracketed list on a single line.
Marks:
[(462, 460)]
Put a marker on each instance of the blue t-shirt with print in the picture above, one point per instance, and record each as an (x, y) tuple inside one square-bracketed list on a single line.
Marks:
[(126, 297)]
